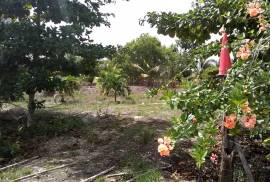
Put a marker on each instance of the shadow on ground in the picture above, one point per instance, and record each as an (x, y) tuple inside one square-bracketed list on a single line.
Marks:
[(94, 143)]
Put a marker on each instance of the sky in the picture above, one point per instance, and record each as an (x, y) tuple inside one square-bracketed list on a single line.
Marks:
[(125, 25)]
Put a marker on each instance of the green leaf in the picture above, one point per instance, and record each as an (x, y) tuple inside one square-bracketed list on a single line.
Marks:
[(266, 141), (235, 131), (28, 6), (268, 157)]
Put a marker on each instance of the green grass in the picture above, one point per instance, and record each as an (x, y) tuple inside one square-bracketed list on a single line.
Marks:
[(141, 133), (150, 176), (134, 105), (140, 170), (52, 127), (100, 179), (14, 174)]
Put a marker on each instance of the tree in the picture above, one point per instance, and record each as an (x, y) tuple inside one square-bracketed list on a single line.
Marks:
[(36, 37), (205, 18), (146, 58), (112, 81), (243, 96)]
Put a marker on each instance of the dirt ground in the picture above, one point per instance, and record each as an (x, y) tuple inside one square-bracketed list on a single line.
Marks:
[(128, 144), (92, 134)]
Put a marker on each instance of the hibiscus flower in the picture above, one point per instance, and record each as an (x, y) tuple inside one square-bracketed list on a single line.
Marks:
[(249, 121), (243, 53), (163, 150), (165, 146), (254, 9), (230, 121)]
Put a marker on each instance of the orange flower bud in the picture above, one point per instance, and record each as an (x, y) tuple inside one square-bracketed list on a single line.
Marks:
[(160, 141), (262, 28), (245, 107)]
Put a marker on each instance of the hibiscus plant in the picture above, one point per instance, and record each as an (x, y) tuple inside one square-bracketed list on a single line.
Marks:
[(239, 102)]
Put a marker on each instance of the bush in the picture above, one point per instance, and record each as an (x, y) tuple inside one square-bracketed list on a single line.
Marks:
[(113, 82), (209, 73)]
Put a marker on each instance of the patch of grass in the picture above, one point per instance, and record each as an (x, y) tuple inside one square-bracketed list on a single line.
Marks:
[(92, 137), (140, 104), (129, 100), (140, 133), (133, 162), (48, 165), (14, 174), (55, 127), (141, 170), (100, 179), (150, 176), (8, 148), (74, 153), (147, 134), (239, 174)]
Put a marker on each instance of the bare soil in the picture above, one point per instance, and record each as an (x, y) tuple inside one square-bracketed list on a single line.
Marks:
[(93, 142)]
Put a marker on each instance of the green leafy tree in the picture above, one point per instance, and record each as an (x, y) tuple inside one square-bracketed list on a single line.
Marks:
[(112, 81), (205, 18), (146, 58), (242, 96), (36, 37)]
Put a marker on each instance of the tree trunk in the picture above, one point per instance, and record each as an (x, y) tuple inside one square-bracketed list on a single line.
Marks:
[(31, 107), (227, 154)]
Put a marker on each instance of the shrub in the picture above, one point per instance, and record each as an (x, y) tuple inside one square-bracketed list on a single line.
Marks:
[(113, 82)]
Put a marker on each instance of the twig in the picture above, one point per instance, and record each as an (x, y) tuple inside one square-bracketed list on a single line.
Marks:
[(244, 162), (92, 178), (42, 172), (18, 163), (166, 167)]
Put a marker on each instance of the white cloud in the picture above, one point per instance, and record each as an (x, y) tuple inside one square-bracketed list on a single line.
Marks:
[(125, 25)]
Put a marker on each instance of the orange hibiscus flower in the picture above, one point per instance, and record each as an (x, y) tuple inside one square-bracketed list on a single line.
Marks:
[(249, 121), (254, 9), (230, 121), (163, 150), (244, 52), (165, 146)]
